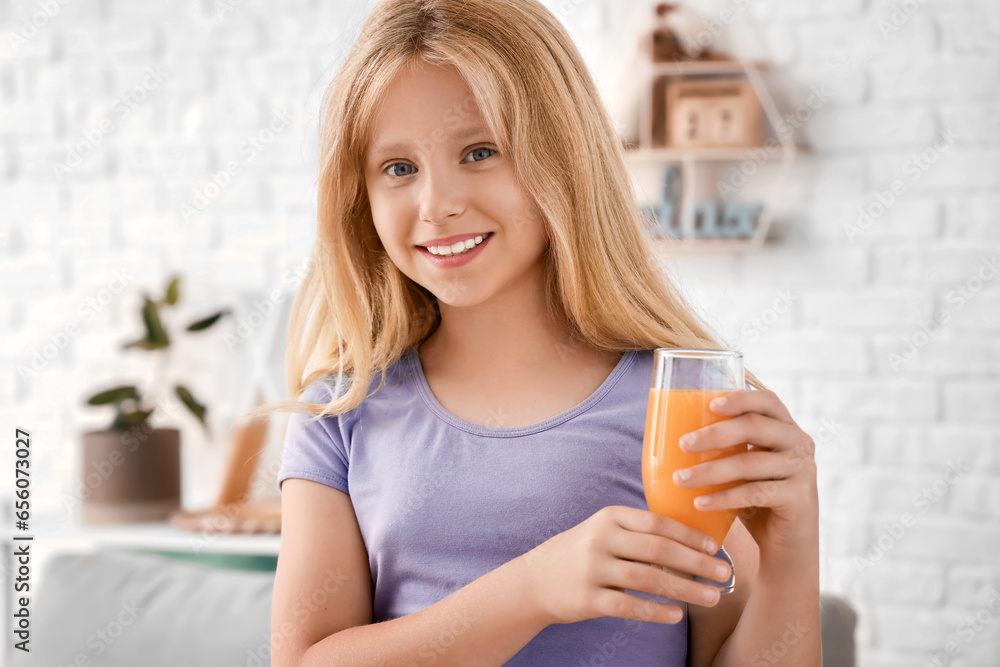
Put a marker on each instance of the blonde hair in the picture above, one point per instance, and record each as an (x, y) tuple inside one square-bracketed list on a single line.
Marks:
[(356, 314)]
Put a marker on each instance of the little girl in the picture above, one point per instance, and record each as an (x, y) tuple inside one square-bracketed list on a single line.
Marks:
[(481, 251)]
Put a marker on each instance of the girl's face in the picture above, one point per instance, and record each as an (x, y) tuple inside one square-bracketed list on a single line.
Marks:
[(433, 172)]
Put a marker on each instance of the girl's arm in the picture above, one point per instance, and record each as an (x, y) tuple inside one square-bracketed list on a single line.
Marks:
[(323, 598), (578, 574), (779, 505), (482, 624), (780, 624)]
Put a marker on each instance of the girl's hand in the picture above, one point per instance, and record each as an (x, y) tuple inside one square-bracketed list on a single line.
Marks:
[(582, 573), (779, 501)]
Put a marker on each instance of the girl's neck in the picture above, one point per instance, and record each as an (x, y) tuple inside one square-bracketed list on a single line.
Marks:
[(470, 344)]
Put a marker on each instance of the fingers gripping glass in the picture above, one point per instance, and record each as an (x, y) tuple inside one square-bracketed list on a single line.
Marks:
[(683, 384)]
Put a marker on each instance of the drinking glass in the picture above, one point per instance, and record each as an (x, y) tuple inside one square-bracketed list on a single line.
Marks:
[(684, 382)]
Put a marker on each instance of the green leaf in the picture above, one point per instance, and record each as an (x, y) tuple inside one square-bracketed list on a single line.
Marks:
[(116, 395), (207, 322), (196, 408), (155, 333), (126, 420), (141, 343), (173, 292)]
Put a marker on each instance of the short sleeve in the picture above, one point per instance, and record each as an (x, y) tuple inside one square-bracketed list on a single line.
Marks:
[(317, 449)]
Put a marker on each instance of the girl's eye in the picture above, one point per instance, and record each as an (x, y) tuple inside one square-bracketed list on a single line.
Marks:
[(398, 164), (481, 149), (489, 153)]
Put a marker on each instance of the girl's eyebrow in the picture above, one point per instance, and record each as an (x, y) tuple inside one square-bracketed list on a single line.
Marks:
[(379, 151)]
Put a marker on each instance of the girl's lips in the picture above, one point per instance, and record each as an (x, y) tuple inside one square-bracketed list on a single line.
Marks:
[(452, 240), (452, 261)]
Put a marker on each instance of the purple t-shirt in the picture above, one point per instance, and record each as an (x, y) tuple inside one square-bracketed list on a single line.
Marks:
[(441, 501)]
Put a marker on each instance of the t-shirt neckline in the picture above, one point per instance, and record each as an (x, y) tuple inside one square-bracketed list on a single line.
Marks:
[(432, 403)]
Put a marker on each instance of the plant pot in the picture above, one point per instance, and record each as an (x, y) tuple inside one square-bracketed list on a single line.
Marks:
[(131, 476)]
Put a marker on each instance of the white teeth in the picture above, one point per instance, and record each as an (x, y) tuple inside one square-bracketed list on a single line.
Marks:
[(458, 248)]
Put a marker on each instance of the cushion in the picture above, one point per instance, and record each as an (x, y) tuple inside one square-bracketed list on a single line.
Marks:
[(117, 608)]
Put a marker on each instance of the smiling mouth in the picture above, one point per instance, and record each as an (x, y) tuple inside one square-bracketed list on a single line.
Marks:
[(445, 251)]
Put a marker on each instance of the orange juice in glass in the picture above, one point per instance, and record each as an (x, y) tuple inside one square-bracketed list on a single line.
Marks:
[(683, 384)]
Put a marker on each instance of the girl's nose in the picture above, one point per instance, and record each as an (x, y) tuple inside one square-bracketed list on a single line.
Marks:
[(440, 197)]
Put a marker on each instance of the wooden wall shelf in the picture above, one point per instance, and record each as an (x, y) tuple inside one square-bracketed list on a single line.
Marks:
[(656, 155), (705, 67), (645, 154), (710, 246)]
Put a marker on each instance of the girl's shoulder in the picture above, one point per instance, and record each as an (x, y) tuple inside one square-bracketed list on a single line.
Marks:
[(335, 385)]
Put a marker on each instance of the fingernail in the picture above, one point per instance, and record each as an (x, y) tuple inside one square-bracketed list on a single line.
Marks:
[(701, 501), (719, 402), (682, 475), (709, 594), (688, 440), (722, 572), (709, 546)]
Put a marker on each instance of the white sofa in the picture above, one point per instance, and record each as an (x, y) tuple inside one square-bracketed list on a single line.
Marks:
[(118, 608)]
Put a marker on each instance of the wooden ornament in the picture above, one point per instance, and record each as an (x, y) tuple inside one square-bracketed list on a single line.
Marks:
[(232, 513)]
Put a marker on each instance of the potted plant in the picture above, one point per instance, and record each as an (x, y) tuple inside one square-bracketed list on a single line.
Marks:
[(131, 470)]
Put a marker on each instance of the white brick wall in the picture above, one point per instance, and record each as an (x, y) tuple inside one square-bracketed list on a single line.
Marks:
[(899, 75), (862, 298)]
